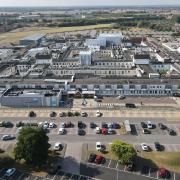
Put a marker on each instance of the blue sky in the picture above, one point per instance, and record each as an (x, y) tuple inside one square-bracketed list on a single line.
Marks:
[(85, 2)]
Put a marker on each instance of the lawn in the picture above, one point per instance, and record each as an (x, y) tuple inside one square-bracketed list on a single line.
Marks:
[(14, 36), (169, 160)]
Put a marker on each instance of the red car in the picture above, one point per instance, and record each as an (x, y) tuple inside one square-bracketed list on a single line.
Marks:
[(163, 173), (98, 159), (104, 131)]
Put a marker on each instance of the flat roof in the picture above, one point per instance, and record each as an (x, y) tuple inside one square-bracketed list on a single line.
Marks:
[(33, 37)]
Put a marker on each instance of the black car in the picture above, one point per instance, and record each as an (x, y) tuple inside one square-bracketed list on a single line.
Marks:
[(171, 132), (92, 157), (104, 125), (130, 166), (81, 132), (53, 170), (157, 146), (7, 124), (143, 125), (80, 124), (52, 114), (146, 131), (130, 105), (32, 114), (92, 125), (20, 124), (162, 126)]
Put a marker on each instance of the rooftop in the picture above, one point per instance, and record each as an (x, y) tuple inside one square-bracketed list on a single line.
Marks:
[(33, 37)]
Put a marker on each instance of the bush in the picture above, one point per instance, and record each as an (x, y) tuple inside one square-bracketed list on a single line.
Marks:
[(70, 114), (77, 114)]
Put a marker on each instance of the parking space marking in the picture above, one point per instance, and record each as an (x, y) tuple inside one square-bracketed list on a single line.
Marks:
[(63, 176), (109, 163), (117, 165), (174, 176), (79, 177), (149, 172)]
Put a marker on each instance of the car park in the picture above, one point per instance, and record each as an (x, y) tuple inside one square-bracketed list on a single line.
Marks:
[(81, 132), (98, 114), (157, 146), (144, 147), (98, 159), (62, 131), (92, 125), (92, 157), (58, 146), (8, 137), (10, 172), (146, 131), (130, 166), (149, 125), (98, 130), (163, 173)]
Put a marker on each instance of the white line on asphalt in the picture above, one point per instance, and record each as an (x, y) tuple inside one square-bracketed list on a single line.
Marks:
[(149, 171), (63, 176), (55, 175), (109, 163), (20, 176), (157, 175), (71, 176), (117, 165), (79, 177), (174, 176)]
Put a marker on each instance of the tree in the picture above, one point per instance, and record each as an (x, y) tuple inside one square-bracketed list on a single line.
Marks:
[(125, 152), (32, 146)]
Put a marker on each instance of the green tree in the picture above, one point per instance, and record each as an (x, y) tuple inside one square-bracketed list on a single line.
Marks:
[(125, 152), (32, 146)]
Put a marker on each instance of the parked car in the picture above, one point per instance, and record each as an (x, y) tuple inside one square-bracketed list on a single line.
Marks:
[(63, 125), (92, 157), (7, 124), (80, 124), (8, 137), (62, 114), (53, 170), (104, 125), (62, 131), (100, 146), (104, 131), (146, 131), (83, 114), (98, 114), (143, 125), (51, 125), (32, 114), (10, 172), (157, 146), (81, 132), (98, 159), (162, 126), (149, 125), (52, 114), (163, 173), (45, 125), (130, 105), (110, 131), (19, 124), (144, 147), (121, 97), (92, 125), (171, 132), (115, 125), (98, 130), (130, 166), (58, 146), (68, 124)]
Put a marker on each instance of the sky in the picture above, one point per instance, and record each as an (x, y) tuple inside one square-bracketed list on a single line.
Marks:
[(85, 2)]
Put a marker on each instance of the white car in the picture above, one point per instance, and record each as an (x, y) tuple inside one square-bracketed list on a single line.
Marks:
[(83, 114), (98, 130), (149, 125), (144, 147), (51, 125), (98, 146), (98, 114), (61, 131), (10, 172), (40, 124), (58, 146)]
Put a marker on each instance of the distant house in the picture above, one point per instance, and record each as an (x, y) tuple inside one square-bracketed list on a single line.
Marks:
[(141, 59)]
